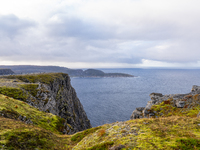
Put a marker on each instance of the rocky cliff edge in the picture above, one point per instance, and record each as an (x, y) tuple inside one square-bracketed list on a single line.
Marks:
[(51, 93)]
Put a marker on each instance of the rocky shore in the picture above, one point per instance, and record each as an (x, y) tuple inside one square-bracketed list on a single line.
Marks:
[(188, 100)]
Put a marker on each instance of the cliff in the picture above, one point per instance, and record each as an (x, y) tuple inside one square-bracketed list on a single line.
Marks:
[(51, 93), (6, 72)]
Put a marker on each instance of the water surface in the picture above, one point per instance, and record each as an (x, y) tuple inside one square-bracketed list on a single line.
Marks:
[(107, 100)]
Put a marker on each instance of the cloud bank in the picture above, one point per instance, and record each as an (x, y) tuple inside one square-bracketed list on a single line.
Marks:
[(101, 33)]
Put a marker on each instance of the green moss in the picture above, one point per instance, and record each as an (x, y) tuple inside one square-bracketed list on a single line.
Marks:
[(41, 119), (30, 88), (102, 146), (34, 78), (16, 93), (166, 110), (18, 135), (187, 144), (29, 140), (10, 113), (79, 136)]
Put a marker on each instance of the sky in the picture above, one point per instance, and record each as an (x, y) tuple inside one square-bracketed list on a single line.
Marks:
[(100, 33)]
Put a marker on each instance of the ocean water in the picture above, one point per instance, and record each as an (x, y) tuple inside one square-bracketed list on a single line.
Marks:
[(108, 100)]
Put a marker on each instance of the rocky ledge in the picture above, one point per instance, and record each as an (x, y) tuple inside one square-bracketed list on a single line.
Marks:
[(161, 105)]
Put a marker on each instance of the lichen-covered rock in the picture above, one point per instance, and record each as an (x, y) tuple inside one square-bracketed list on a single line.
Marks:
[(54, 94), (175, 100)]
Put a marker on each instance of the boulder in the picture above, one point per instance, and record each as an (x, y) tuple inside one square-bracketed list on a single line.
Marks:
[(136, 114), (195, 88), (180, 104), (119, 147)]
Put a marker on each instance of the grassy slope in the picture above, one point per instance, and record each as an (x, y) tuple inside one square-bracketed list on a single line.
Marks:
[(13, 108), (18, 135), (173, 132)]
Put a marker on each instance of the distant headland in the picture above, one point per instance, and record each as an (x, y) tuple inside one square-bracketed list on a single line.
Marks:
[(27, 69)]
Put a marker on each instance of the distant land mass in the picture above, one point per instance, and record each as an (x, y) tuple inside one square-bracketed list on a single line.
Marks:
[(27, 69), (6, 71)]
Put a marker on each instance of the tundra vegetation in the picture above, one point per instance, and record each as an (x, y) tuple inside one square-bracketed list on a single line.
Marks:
[(25, 127)]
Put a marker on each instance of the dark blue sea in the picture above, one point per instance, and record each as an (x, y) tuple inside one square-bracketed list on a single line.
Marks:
[(108, 100)]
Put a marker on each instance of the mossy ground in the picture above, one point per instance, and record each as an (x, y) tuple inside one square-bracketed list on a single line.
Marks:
[(172, 132), (34, 78), (13, 108), (18, 135)]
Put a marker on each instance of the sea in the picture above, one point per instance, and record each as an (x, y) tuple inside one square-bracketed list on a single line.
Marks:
[(107, 100)]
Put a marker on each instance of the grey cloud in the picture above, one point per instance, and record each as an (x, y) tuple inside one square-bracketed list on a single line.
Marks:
[(76, 39), (11, 25), (76, 27)]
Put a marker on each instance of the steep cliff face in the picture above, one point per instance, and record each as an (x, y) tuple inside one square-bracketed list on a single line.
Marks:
[(52, 93), (6, 71), (162, 105)]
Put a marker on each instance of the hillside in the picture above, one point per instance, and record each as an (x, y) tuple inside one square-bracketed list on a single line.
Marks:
[(167, 125), (173, 132), (6, 71), (27, 69)]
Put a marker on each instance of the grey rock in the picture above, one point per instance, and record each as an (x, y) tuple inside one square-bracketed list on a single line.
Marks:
[(140, 108), (136, 114), (198, 115), (119, 147), (155, 96), (195, 88), (151, 114), (180, 104)]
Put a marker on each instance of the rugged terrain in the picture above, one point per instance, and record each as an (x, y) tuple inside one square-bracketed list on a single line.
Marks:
[(27, 69), (167, 122), (51, 93)]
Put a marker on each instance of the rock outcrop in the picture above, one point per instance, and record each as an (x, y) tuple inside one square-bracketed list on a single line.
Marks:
[(175, 100), (54, 94), (6, 71)]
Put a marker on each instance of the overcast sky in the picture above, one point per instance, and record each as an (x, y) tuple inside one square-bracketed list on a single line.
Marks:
[(100, 33)]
